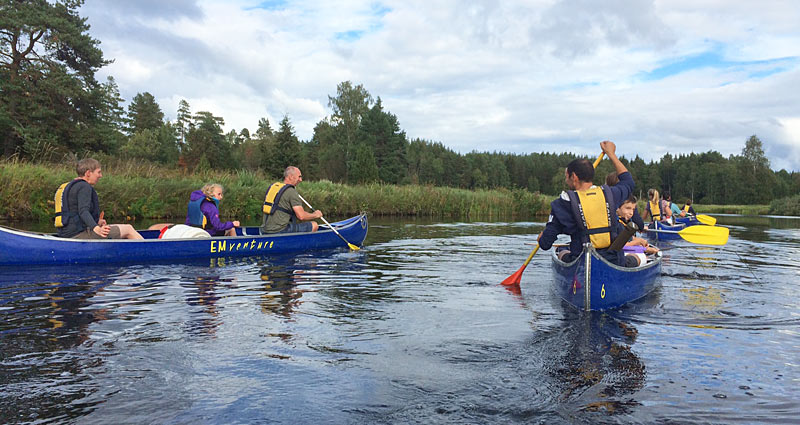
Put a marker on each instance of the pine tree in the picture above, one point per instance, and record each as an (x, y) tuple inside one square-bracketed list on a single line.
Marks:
[(48, 63), (287, 148), (144, 113)]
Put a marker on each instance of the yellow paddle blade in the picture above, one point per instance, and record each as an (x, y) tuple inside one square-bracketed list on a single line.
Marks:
[(706, 235), (706, 219)]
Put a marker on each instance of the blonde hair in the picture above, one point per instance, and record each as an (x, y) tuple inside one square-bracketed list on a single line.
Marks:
[(208, 189), (653, 195)]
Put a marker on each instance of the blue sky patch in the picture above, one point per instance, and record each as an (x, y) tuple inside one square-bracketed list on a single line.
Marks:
[(271, 5), (713, 59), (352, 35), (379, 10), (376, 12)]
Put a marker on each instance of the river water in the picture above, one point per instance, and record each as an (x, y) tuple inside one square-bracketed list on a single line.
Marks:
[(413, 328)]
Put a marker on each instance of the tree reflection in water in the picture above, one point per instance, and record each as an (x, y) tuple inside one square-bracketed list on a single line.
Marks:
[(598, 370), (46, 314), (282, 277)]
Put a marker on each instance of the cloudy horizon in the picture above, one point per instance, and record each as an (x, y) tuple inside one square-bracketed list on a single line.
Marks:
[(673, 76)]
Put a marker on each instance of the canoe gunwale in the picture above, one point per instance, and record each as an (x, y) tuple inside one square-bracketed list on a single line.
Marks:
[(22, 248), (53, 237)]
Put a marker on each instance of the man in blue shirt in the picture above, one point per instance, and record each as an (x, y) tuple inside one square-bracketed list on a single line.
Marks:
[(571, 213)]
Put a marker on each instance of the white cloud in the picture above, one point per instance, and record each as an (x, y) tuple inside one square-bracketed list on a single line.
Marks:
[(515, 76)]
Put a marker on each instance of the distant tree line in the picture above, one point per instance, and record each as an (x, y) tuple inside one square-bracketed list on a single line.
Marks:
[(52, 105)]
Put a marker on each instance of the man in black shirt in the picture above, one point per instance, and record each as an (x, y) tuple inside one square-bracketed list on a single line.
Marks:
[(78, 208)]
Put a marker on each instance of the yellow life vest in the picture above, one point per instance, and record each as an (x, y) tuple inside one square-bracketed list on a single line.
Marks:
[(61, 206), (273, 196), (686, 208), (595, 215), (655, 210)]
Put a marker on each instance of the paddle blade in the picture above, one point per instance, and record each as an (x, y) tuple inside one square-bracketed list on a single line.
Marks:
[(515, 278), (706, 235), (353, 247), (706, 219)]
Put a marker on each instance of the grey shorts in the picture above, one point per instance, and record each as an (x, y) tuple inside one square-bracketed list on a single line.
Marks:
[(298, 227), (90, 234)]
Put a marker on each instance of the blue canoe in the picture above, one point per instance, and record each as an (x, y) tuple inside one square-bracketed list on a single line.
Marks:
[(665, 236), (590, 282), (19, 248), (689, 220)]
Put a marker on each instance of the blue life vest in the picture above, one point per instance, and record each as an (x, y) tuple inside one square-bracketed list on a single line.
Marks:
[(196, 216)]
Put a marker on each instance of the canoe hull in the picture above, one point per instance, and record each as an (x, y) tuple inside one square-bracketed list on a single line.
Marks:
[(688, 221), (19, 248), (590, 282), (656, 236)]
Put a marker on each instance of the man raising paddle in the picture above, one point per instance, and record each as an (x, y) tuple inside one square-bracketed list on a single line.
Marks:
[(588, 213)]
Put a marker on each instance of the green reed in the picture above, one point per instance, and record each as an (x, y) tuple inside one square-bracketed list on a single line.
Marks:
[(732, 209), (786, 206), (134, 190)]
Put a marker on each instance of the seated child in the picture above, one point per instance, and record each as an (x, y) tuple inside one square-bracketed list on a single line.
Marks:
[(625, 212)]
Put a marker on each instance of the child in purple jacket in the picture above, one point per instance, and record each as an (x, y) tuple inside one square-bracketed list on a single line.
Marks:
[(203, 211)]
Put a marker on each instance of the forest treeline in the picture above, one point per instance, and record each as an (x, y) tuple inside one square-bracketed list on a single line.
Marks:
[(53, 109)]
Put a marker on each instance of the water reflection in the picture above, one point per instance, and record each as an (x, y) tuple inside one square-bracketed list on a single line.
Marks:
[(598, 370), (45, 313), (412, 328), (280, 292), (202, 292)]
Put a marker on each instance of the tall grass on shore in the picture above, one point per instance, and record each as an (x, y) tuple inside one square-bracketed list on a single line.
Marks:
[(732, 209), (131, 190), (786, 206), (720, 209)]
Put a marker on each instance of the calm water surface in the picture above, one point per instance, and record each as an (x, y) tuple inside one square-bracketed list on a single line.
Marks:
[(414, 328)]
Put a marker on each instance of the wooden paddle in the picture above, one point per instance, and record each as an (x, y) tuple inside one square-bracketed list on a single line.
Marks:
[(515, 278), (702, 235), (352, 247)]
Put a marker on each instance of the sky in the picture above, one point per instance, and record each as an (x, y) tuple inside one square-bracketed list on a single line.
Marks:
[(660, 76)]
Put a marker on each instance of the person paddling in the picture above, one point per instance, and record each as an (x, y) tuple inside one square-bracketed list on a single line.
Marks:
[(588, 213), (283, 208), (78, 213)]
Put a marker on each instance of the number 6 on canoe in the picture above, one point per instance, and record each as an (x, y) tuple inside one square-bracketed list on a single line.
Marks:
[(515, 278), (353, 247)]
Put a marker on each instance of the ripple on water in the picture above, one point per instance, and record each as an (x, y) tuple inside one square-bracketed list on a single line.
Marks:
[(413, 328)]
